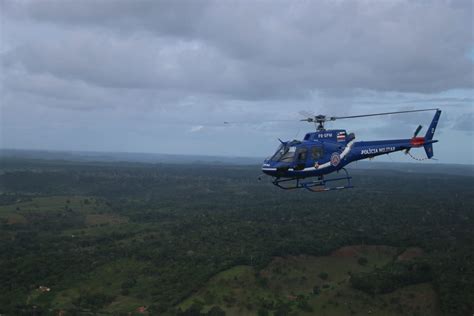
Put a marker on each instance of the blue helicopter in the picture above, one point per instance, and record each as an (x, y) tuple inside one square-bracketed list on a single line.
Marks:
[(296, 163)]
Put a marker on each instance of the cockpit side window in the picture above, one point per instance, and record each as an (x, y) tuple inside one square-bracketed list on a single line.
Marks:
[(288, 155), (316, 153), (301, 155), (280, 152), (286, 152)]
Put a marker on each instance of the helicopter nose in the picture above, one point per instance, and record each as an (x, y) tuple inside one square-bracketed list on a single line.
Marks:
[(268, 169), (275, 170)]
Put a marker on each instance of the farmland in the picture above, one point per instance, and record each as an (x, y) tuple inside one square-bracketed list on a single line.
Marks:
[(201, 239)]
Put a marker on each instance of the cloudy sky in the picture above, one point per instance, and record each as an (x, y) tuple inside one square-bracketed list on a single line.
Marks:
[(162, 76)]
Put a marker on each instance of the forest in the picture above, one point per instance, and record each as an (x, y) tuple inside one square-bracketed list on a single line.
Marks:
[(86, 238)]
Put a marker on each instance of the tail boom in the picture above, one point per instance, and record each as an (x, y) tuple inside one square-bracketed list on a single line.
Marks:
[(363, 150)]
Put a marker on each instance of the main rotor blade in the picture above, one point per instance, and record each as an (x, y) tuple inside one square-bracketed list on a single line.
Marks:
[(306, 113), (255, 122), (333, 118)]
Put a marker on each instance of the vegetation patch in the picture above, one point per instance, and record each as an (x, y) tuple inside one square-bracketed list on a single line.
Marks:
[(113, 287), (392, 276), (411, 253), (104, 219), (309, 285), (151, 236)]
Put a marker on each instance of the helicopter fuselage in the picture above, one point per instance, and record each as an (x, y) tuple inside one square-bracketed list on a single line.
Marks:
[(319, 156), (327, 151)]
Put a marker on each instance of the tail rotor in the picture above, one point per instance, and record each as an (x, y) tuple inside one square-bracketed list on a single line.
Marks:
[(417, 131), (427, 141)]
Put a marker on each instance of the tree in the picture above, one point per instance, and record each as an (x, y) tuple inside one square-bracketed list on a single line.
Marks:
[(362, 261), (216, 311), (316, 290), (193, 310)]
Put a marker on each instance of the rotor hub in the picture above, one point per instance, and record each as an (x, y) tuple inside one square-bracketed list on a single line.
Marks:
[(319, 121)]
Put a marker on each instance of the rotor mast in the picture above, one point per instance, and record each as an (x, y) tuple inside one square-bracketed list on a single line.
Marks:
[(318, 121)]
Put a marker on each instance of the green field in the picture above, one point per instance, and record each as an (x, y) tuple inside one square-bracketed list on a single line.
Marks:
[(55, 204), (298, 285), (207, 240)]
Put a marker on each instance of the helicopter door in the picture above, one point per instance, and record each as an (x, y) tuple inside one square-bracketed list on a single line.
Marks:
[(316, 153), (300, 159)]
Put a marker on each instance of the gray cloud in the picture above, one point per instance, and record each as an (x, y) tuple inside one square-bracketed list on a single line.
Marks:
[(126, 73), (251, 51), (465, 123)]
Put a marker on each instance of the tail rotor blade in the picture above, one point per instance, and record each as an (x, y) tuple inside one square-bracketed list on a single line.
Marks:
[(418, 129)]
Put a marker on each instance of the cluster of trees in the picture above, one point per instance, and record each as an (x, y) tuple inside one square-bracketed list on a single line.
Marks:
[(186, 223), (392, 276)]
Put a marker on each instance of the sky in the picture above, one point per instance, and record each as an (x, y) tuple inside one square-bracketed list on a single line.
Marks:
[(163, 76)]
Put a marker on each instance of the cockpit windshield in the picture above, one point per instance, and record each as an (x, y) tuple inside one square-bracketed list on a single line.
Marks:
[(284, 153)]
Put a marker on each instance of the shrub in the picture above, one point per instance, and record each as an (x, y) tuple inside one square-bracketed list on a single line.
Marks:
[(362, 261)]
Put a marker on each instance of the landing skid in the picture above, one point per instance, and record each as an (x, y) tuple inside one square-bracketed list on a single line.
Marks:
[(319, 185)]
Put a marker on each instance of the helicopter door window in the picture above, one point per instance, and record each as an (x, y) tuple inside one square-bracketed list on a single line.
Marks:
[(316, 153), (301, 155)]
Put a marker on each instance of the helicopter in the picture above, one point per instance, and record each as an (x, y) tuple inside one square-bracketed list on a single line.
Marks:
[(304, 164)]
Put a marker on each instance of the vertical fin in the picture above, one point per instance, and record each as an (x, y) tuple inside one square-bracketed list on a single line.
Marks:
[(431, 130), (430, 133)]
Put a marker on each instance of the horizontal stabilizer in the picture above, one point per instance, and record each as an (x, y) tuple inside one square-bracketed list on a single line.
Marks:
[(429, 150)]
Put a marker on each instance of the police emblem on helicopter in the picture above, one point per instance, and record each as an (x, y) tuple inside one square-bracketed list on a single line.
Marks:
[(335, 159)]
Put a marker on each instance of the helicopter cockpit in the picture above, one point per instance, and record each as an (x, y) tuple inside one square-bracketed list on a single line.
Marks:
[(285, 152)]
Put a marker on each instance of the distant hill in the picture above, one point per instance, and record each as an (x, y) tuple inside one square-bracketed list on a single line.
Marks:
[(88, 156), (108, 157)]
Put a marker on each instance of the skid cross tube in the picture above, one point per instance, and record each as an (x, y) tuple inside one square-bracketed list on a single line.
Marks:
[(292, 186), (319, 185)]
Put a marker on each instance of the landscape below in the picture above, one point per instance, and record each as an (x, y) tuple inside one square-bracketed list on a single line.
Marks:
[(209, 239)]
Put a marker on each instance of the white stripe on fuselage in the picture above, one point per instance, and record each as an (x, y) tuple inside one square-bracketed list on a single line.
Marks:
[(344, 153)]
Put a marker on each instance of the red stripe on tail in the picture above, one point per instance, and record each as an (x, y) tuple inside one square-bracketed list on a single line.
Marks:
[(417, 141)]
